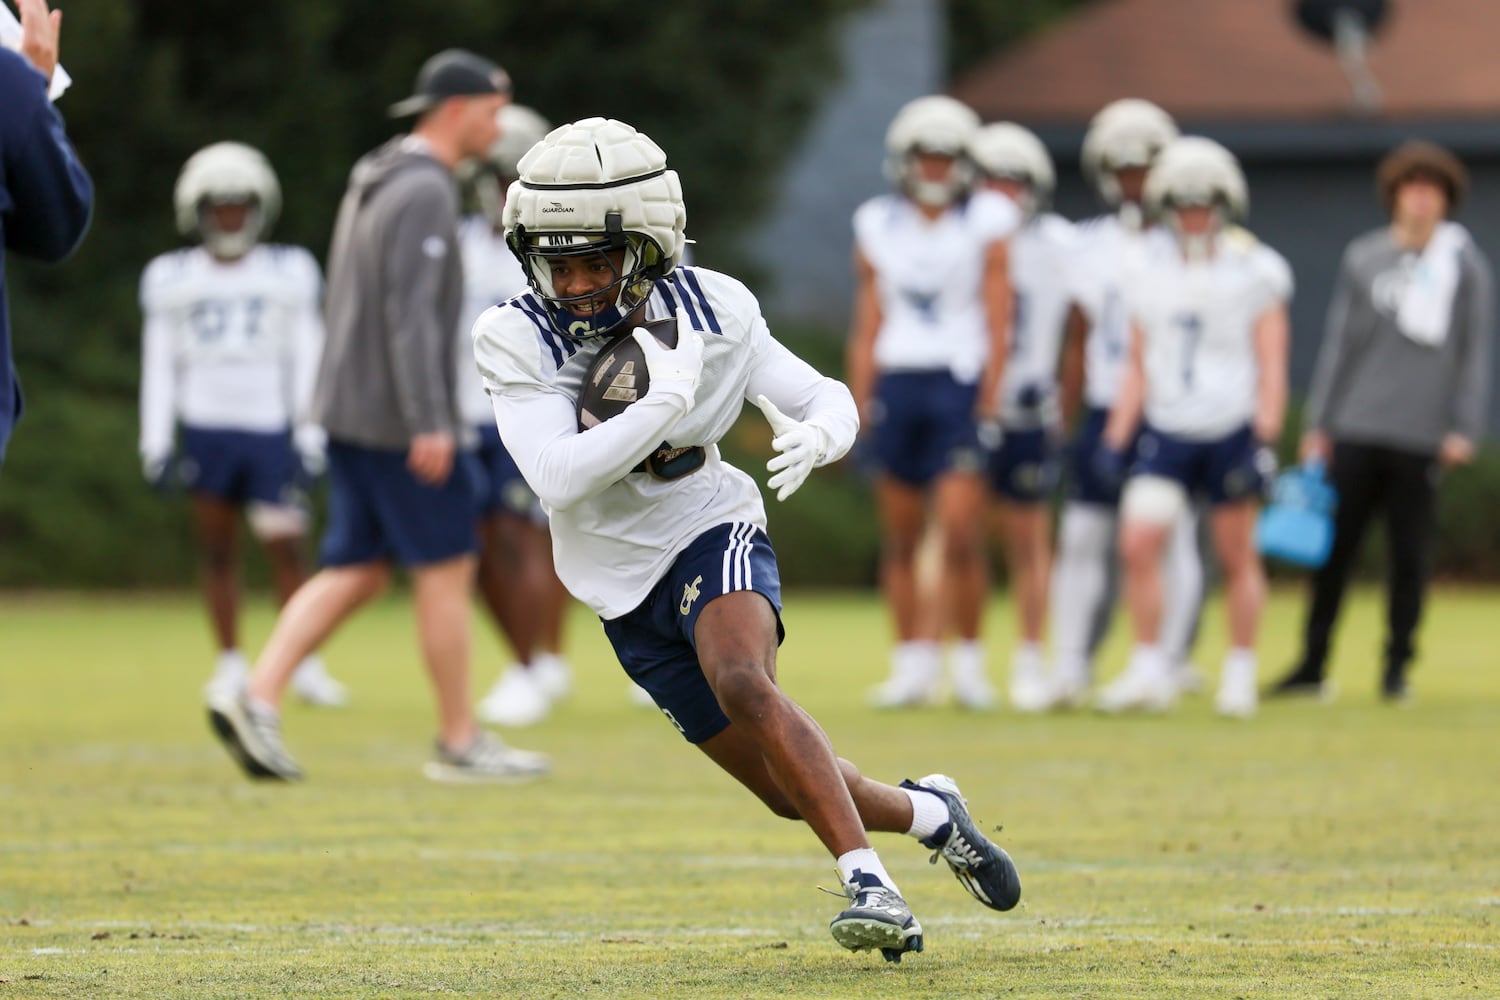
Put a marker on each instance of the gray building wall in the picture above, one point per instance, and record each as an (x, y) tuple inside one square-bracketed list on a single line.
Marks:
[(889, 54)]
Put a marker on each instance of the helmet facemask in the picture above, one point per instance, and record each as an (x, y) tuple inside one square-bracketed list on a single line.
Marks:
[(230, 244), (642, 265)]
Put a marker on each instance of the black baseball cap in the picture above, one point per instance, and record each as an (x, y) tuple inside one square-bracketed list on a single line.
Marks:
[(452, 73)]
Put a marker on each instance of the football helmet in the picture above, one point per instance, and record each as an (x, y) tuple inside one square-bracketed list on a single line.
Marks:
[(1193, 170), (1007, 150), (1126, 133), (227, 172), (587, 188), (935, 124)]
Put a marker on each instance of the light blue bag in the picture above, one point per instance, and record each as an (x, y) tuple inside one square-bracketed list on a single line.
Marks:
[(1297, 526)]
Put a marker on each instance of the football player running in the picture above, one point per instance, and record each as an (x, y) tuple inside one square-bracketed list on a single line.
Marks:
[(231, 342), (1207, 371), (675, 560), (515, 575), (1122, 141), (1023, 470), (927, 346)]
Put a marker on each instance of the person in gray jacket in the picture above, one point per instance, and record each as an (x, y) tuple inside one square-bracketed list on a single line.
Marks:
[(1399, 394), (386, 394)]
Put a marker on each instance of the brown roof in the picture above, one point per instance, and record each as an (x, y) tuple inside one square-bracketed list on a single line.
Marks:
[(1239, 59)]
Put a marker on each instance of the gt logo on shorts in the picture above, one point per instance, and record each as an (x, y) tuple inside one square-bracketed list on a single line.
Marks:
[(689, 595)]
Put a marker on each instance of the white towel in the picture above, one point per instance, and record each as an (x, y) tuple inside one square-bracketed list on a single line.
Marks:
[(1426, 310)]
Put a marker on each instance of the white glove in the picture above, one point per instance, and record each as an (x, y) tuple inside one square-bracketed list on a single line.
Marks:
[(311, 442), (801, 446), (154, 467), (673, 370)]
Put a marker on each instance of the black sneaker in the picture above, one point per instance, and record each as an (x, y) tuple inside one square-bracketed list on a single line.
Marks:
[(877, 917), (1301, 683), (1393, 687), (252, 736), (981, 867)]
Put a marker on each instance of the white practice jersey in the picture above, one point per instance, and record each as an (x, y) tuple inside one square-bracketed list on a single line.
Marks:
[(1105, 248), (1198, 321), (491, 275), (1040, 257), (615, 532), (929, 279), (228, 345)]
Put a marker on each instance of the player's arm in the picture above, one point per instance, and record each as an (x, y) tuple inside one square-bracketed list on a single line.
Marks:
[(1272, 339), (859, 356), (996, 292), (1471, 395), (158, 395), (1125, 415), (539, 424), (1071, 364), (307, 354)]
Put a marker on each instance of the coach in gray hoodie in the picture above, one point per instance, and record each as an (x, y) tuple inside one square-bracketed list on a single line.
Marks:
[(386, 395), (1399, 394)]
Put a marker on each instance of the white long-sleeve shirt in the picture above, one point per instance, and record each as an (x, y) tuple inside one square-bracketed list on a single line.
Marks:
[(228, 345), (615, 532), (492, 274)]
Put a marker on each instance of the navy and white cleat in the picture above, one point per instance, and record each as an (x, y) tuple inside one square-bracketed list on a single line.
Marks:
[(877, 917), (980, 866)]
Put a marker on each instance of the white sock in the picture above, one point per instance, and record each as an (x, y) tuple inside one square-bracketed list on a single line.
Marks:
[(1240, 661), (967, 658), (1080, 579), (866, 860), (1149, 658), (312, 664), (929, 813), (232, 661)]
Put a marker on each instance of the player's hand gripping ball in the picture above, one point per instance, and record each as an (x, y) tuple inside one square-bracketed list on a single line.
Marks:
[(619, 374)]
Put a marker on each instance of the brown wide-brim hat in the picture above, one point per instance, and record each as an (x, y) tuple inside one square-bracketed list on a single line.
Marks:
[(1417, 158)]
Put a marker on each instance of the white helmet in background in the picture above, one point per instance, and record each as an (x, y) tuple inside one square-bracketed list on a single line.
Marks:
[(587, 188), (938, 125), (1126, 133), (1193, 170), (1009, 151), (233, 173)]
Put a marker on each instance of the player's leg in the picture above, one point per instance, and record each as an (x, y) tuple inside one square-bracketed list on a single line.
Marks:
[(1233, 526), (1410, 512), (554, 672), (1079, 579), (1356, 474), (216, 534), (915, 660), (1182, 598), (509, 587), (959, 502), (1150, 506)]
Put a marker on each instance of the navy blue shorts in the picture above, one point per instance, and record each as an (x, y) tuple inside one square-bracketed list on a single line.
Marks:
[(1024, 470), (1224, 470), (1085, 485), (655, 642), (924, 426), (499, 486), (241, 466), (379, 511)]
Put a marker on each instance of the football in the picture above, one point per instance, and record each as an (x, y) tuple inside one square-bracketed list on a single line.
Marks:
[(617, 376)]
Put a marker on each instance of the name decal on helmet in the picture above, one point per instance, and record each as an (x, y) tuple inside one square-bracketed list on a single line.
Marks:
[(557, 206)]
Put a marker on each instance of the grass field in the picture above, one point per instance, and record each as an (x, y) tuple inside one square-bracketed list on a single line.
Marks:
[(1346, 850)]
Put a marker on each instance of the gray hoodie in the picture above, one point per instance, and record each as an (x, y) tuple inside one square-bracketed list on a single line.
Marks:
[(395, 287)]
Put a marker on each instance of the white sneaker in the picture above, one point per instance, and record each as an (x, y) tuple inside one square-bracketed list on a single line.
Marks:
[(230, 678), (1188, 678), (553, 675), (312, 684), (487, 759), (914, 678), (640, 697), (1237, 697), (1069, 686), (1031, 691), (1145, 686), (516, 699)]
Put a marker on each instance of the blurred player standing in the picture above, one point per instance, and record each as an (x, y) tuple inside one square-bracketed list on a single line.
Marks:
[(1207, 370), (516, 580), (1122, 141), (1399, 395), (661, 538), (47, 193), (927, 347), (387, 395), (1023, 470), (233, 331)]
